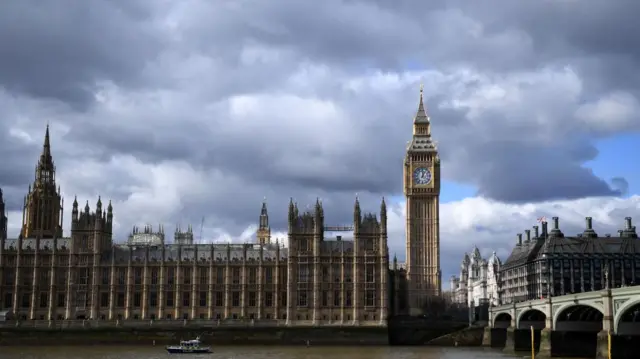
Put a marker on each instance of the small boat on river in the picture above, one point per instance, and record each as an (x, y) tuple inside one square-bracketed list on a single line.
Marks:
[(189, 347)]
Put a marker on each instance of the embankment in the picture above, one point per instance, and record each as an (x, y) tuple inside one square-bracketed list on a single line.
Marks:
[(421, 332), (467, 337)]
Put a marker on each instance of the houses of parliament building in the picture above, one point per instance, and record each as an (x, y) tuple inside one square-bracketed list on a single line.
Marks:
[(87, 276), (312, 280)]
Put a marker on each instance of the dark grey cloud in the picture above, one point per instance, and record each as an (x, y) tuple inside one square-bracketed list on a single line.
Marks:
[(61, 49), (184, 110)]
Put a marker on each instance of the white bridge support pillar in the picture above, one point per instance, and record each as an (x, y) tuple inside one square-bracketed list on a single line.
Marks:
[(510, 344), (545, 333)]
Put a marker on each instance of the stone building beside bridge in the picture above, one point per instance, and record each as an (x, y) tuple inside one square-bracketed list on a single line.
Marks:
[(314, 280), (478, 282), (548, 263), (580, 287)]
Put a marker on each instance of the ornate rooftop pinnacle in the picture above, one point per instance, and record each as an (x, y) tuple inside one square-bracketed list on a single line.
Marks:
[(46, 161), (421, 114)]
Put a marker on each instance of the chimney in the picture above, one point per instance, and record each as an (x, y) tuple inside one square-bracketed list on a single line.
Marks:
[(620, 233), (589, 223), (544, 229), (527, 234), (556, 224), (519, 239), (535, 232), (628, 222)]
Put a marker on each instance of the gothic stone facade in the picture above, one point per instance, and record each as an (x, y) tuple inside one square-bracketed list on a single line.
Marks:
[(87, 276), (478, 280), (422, 191)]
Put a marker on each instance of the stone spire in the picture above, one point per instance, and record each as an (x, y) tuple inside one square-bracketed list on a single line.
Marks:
[(421, 116), (42, 212), (421, 141), (46, 160), (264, 231), (3, 218)]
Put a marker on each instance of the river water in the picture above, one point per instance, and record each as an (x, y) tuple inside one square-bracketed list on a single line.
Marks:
[(157, 352)]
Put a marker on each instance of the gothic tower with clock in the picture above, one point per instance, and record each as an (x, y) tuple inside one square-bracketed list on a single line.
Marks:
[(422, 192)]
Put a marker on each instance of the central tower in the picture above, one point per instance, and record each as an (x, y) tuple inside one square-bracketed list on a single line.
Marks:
[(42, 211), (422, 192)]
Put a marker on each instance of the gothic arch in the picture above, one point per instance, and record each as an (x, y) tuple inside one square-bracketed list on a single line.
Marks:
[(623, 310), (562, 309)]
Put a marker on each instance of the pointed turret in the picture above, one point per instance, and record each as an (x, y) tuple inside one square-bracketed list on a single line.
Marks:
[(42, 212), (421, 116), (264, 215), (3, 218), (357, 215), (319, 209), (291, 217), (264, 231), (422, 141), (46, 160), (318, 222)]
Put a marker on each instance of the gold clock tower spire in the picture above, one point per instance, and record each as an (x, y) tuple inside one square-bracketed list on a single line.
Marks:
[(422, 192)]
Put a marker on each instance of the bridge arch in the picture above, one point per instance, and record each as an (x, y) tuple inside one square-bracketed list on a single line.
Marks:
[(578, 318), (531, 317), (502, 320), (627, 319)]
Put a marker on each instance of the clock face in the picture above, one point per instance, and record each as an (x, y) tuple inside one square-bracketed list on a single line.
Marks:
[(421, 176)]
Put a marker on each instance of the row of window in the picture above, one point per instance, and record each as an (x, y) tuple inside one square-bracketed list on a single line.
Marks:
[(334, 273), (366, 244), (303, 299), (217, 316)]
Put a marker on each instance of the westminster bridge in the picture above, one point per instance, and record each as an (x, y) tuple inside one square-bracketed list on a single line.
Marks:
[(568, 325)]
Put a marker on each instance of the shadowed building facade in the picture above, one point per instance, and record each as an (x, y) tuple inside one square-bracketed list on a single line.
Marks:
[(3, 217), (315, 280)]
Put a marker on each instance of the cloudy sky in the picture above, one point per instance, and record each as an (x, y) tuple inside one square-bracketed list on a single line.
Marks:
[(183, 110)]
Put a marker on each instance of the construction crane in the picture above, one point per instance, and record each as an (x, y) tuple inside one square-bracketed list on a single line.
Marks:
[(201, 228)]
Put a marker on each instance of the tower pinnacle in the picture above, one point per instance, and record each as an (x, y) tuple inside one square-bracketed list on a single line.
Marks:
[(264, 231), (421, 114), (42, 210), (46, 160)]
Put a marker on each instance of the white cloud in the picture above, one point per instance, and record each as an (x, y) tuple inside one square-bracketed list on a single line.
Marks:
[(492, 226), (613, 113)]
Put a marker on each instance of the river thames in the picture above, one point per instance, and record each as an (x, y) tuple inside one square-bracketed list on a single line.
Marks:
[(156, 352)]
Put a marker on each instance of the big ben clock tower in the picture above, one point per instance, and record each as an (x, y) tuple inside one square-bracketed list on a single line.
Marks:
[(422, 191)]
